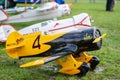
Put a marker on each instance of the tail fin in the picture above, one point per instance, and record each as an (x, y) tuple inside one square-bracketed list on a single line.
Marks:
[(12, 43), (3, 15), (82, 19), (5, 30)]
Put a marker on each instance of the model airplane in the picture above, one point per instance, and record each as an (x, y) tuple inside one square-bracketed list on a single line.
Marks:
[(48, 10), (69, 44), (50, 26)]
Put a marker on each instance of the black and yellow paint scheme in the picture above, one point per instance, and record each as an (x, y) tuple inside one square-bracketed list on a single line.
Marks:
[(72, 45)]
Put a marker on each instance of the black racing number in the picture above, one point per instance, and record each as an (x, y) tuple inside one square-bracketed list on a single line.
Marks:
[(35, 29), (36, 43)]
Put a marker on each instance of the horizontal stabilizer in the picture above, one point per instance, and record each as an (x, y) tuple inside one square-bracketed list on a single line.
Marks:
[(16, 46)]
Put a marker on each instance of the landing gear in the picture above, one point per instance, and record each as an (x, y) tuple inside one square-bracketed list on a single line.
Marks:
[(93, 63), (80, 65), (84, 68), (91, 60), (70, 66)]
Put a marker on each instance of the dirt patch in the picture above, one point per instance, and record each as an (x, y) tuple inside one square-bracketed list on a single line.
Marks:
[(99, 70)]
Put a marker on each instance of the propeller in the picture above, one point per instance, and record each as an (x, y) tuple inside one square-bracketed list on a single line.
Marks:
[(99, 38)]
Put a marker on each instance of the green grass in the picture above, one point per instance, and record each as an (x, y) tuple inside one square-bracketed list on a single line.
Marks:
[(107, 22)]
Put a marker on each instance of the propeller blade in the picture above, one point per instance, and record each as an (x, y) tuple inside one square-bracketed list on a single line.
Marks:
[(99, 38)]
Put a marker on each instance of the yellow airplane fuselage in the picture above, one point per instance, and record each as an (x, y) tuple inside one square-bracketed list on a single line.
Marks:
[(36, 44)]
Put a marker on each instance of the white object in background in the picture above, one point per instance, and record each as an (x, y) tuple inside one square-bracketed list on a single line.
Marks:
[(3, 15), (17, 9), (5, 30), (49, 10), (55, 26), (79, 21)]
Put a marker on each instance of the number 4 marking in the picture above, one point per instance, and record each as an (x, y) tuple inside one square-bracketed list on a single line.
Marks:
[(36, 43)]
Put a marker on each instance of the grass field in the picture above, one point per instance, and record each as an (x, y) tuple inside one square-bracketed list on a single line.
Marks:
[(109, 67)]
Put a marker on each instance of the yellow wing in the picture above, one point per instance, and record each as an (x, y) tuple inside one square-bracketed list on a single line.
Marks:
[(65, 52)]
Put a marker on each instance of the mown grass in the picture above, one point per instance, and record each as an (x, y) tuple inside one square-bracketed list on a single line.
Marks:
[(109, 67)]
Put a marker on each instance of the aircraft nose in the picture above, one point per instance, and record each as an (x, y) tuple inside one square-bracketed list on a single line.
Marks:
[(70, 5)]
